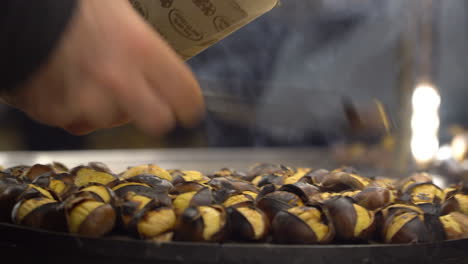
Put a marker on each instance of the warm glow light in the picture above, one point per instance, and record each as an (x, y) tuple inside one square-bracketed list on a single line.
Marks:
[(424, 149), (444, 153), (425, 96), (459, 146), (425, 123)]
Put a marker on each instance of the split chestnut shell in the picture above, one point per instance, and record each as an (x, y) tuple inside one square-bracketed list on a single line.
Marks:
[(40, 212), (202, 223), (89, 217), (247, 223), (302, 225), (351, 221)]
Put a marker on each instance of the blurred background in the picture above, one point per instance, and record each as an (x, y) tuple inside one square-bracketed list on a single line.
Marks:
[(296, 66)]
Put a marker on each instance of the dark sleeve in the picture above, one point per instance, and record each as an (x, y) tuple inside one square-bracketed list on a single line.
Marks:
[(29, 31)]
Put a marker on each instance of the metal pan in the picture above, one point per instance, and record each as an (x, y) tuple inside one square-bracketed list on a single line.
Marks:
[(25, 245)]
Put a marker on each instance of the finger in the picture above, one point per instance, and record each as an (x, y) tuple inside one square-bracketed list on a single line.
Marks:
[(121, 119), (50, 106), (82, 127), (96, 107), (171, 78), (79, 128), (141, 104)]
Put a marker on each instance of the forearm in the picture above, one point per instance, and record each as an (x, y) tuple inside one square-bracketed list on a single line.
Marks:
[(29, 32)]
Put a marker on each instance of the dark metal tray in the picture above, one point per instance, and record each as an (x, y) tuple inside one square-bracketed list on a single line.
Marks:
[(25, 245)]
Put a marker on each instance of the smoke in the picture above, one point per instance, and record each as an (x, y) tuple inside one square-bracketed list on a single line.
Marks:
[(298, 62)]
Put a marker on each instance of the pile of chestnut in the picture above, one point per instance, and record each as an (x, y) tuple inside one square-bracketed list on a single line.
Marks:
[(269, 203)]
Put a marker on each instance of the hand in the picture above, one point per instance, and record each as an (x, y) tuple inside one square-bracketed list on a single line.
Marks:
[(109, 69)]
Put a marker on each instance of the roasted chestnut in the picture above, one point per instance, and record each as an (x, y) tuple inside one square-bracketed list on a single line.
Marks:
[(302, 225), (202, 223), (302, 189), (9, 194), (122, 188), (269, 188), (98, 192), (267, 168), (187, 187), (247, 223), (373, 198), (224, 187), (277, 201), (404, 223), (455, 225), (420, 177), (99, 166), (351, 221), (85, 175), (242, 199), (231, 183), (89, 217), (456, 203), (40, 212), (321, 197), (66, 177), (59, 167), (422, 193), (191, 199), (158, 184), (406, 227), (37, 170), (297, 176), (188, 176), (225, 172), (146, 169), (50, 182), (399, 208), (342, 181), (264, 179), (381, 215), (153, 222), (315, 176), (17, 171), (130, 205), (34, 191)]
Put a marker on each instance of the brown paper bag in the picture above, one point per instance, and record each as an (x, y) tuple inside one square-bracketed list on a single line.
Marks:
[(191, 26)]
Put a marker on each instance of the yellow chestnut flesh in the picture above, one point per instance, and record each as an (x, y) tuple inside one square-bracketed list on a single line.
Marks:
[(397, 224), (101, 191), (312, 217), (182, 201), (426, 194), (364, 220), (212, 221), (155, 223), (29, 205), (235, 199), (79, 214), (42, 191), (147, 169), (85, 176), (256, 220), (57, 186)]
